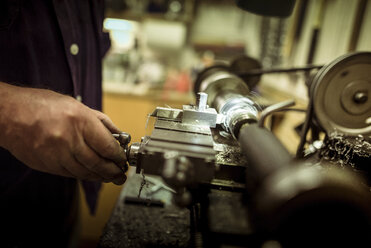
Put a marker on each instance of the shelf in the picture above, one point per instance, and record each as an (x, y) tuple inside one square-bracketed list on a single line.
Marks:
[(128, 15), (144, 91)]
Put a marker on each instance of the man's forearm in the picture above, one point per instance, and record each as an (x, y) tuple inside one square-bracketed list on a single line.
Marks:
[(52, 133), (17, 108), (6, 91)]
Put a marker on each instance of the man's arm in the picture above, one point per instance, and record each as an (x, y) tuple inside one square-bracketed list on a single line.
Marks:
[(54, 133)]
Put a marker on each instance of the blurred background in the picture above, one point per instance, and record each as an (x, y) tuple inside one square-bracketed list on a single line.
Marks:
[(159, 46)]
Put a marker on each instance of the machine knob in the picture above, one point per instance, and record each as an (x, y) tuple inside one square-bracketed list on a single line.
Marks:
[(132, 153)]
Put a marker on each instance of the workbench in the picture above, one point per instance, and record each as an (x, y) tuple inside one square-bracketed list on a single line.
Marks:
[(151, 220)]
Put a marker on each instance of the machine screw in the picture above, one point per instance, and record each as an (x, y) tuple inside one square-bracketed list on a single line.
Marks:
[(201, 101), (170, 164), (360, 97)]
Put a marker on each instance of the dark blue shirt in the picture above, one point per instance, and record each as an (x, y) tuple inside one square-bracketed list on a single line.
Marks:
[(57, 45)]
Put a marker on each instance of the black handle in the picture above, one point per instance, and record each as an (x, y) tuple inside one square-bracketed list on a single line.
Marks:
[(264, 152)]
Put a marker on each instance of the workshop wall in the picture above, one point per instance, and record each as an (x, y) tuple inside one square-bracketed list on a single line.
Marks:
[(364, 43), (318, 32), (336, 22)]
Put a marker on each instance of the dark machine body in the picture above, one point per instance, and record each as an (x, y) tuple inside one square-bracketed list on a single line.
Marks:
[(226, 181)]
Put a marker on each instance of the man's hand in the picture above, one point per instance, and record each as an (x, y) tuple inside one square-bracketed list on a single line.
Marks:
[(57, 134)]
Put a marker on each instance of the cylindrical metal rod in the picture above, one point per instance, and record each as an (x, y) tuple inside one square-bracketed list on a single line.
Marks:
[(258, 72), (201, 101)]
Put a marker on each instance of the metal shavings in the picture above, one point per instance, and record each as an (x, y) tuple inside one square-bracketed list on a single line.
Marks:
[(341, 150), (142, 184), (147, 121), (230, 155)]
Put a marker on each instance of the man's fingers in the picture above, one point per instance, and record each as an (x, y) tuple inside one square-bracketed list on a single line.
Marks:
[(75, 168), (59, 170), (95, 163), (100, 140), (64, 172), (107, 122), (120, 180)]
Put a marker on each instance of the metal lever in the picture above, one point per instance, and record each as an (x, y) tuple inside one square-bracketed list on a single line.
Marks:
[(274, 108), (124, 140)]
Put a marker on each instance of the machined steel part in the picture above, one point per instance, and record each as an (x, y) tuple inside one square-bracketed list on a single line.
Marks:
[(227, 93), (237, 111), (186, 146), (217, 80), (180, 148), (341, 93)]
